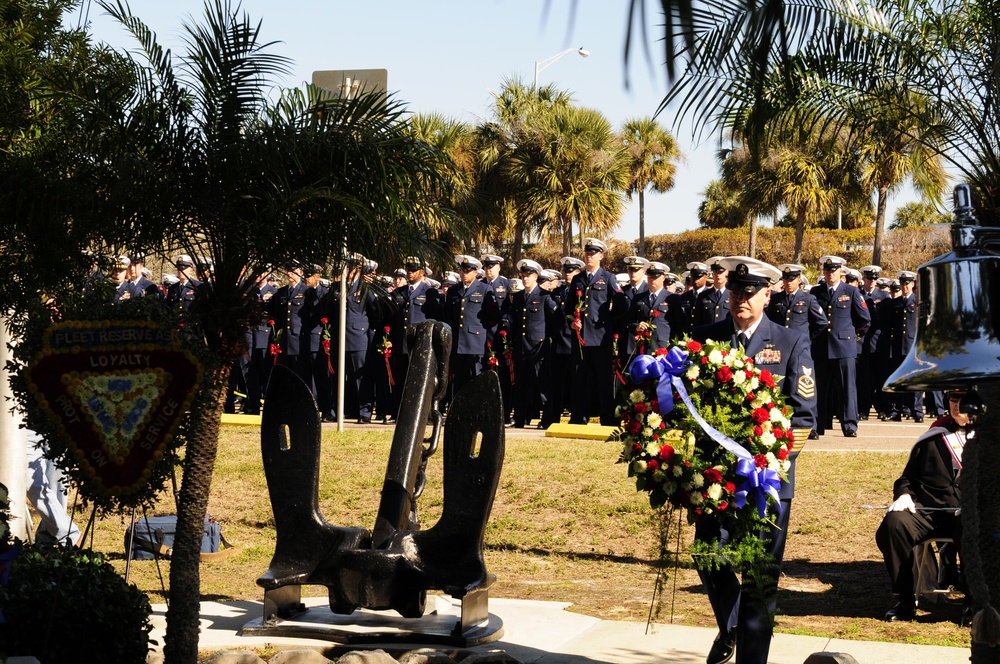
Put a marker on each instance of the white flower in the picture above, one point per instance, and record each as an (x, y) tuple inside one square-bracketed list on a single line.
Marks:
[(653, 448), (715, 357), (636, 396), (715, 491), (698, 480), (678, 471), (754, 383), (767, 439), (696, 499), (785, 465), (776, 415), (653, 420), (692, 372), (739, 377), (638, 466), (772, 462), (669, 487), (687, 486), (760, 399), (647, 432), (730, 360)]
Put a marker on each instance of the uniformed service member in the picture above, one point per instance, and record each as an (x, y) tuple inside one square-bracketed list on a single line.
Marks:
[(835, 350), (901, 328), (562, 364), (590, 307), (869, 392), (526, 323), (682, 318), (291, 334), (470, 309), (794, 308), (745, 619), (649, 313), (712, 304), (181, 295)]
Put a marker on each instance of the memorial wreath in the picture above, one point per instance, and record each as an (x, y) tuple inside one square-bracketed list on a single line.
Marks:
[(705, 431)]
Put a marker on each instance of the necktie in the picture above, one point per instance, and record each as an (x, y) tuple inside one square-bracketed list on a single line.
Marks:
[(742, 340)]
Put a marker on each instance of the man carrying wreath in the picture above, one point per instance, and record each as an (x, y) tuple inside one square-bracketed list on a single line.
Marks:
[(745, 617)]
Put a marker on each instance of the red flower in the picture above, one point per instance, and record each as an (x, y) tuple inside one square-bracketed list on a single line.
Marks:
[(503, 333), (660, 352), (766, 378), (693, 346), (713, 476), (652, 465), (654, 405), (666, 454), (704, 360), (760, 415), (723, 506), (640, 407), (730, 487), (387, 329), (783, 453), (270, 321), (760, 461), (655, 313), (758, 431), (750, 396), (791, 442), (724, 374), (634, 428), (687, 464), (324, 320), (636, 447), (656, 436), (579, 293), (615, 337)]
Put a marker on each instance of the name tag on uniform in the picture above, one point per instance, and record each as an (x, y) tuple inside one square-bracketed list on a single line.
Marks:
[(768, 356)]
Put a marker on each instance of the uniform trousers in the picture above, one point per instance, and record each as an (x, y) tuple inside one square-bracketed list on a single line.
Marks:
[(258, 370), (528, 391), (866, 384), (560, 370), (899, 532), (48, 495), (464, 368), (594, 388), (747, 607), (837, 394), (359, 392)]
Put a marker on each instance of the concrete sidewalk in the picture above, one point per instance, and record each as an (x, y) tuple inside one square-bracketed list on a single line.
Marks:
[(546, 633)]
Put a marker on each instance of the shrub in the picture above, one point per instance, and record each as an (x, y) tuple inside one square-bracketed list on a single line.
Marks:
[(67, 604)]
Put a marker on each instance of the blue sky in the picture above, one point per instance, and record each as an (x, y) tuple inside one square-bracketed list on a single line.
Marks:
[(447, 56)]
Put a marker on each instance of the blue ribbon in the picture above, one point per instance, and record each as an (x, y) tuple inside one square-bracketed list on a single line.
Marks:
[(667, 370)]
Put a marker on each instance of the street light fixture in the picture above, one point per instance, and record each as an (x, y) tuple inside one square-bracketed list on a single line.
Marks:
[(542, 64)]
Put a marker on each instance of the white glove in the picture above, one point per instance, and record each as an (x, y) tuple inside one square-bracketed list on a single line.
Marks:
[(904, 502)]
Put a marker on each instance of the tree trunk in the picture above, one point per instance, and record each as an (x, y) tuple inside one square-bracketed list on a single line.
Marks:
[(981, 514), (642, 223), (800, 232), (883, 195), (518, 243), (752, 249), (567, 243), (183, 615)]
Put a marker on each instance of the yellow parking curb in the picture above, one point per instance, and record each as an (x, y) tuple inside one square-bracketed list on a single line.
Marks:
[(241, 420), (582, 431)]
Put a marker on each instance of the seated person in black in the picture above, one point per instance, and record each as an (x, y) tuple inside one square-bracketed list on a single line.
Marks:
[(926, 500)]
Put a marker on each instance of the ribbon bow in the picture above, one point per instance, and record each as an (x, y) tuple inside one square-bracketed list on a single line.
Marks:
[(667, 370)]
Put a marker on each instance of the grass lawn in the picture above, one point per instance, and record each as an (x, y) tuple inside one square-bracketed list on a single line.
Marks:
[(568, 525)]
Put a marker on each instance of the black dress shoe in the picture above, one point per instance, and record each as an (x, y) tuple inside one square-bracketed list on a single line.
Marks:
[(902, 611), (723, 648), (813, 435), (895, 417), (850, 434), (919, 419), (364, 420)]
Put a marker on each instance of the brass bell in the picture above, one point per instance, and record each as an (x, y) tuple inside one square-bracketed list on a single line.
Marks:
[(956, 343)]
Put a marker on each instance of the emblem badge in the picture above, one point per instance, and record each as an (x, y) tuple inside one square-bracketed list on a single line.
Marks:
[(806, 387)]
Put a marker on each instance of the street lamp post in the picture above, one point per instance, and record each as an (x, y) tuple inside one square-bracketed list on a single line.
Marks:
[(542, 64)]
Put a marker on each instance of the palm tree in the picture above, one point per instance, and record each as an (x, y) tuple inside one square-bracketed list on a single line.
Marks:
[(206, 164), (518, 110), (572, 168), (897, 147), (652, 153), (723, 207), (456, 185)]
